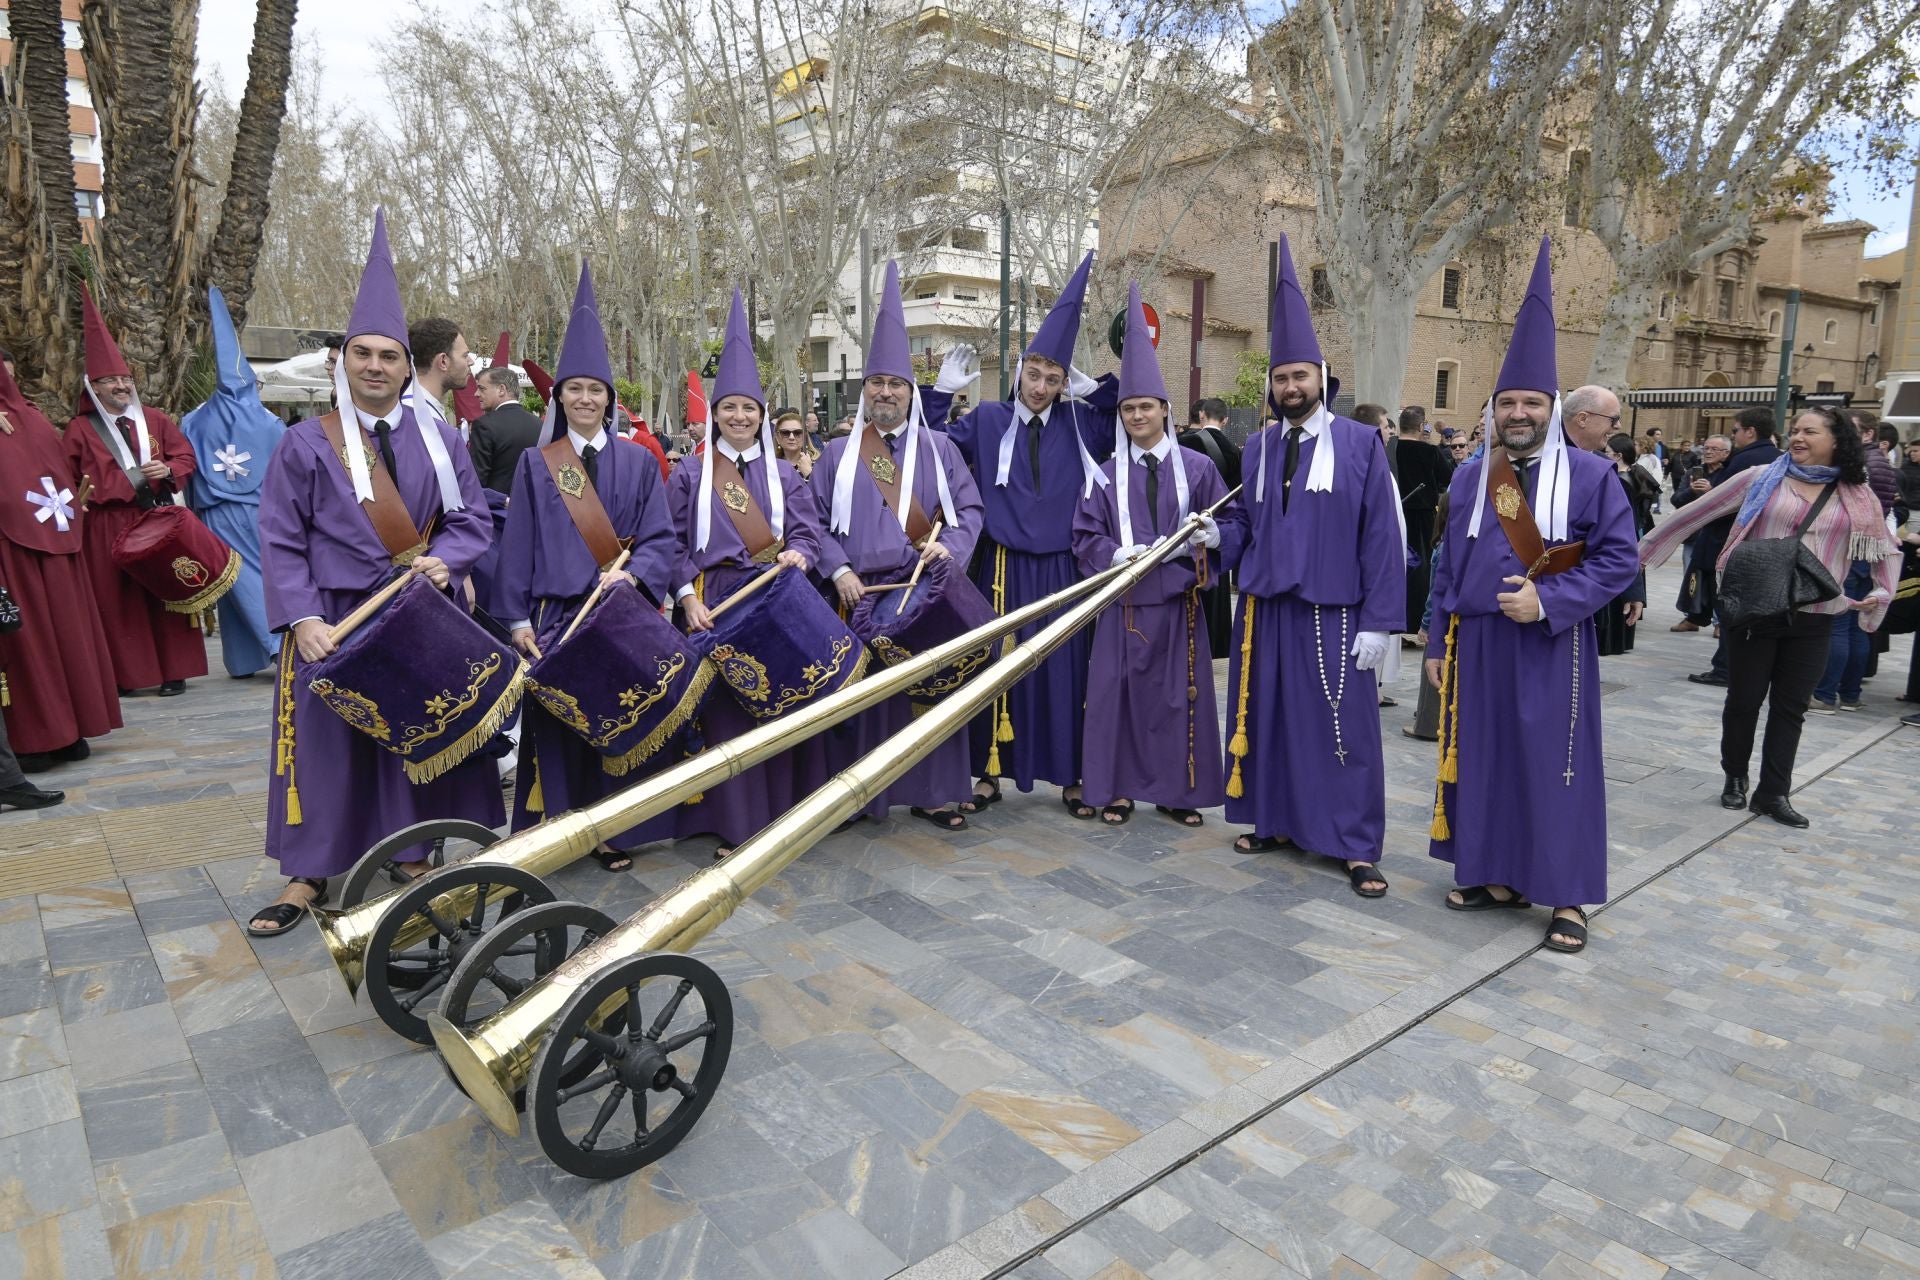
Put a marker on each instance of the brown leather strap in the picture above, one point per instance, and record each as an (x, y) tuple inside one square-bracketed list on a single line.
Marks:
[(1509, 502), (582, 501), (886, 477), (748, 520), (387, 510)]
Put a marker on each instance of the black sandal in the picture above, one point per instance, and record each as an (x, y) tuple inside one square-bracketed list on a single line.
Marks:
[(1251, 843), (612, 859), (945, 819), (284, 915), (1079, 808), (979, 802), (1480, 898), (1571, 928), (1185, 817), (722, 853), (1117, 815), (1359, 877)]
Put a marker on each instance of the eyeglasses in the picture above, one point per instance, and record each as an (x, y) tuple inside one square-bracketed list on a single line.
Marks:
[(787, 431)]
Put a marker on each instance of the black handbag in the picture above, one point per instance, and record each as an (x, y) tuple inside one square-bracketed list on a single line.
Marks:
[(9, 612), (1772, 577), (1903, 615)]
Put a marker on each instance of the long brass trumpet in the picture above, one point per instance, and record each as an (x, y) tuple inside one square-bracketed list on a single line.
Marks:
[(559, 842), (495, 1060)]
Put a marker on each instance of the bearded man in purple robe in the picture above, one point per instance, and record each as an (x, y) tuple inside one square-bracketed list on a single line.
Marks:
[(1539, 537)]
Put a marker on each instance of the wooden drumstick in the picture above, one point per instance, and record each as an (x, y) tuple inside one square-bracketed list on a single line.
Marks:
[(746, 591), (86, 491), (370, 606), (933, 540), (593, 597)]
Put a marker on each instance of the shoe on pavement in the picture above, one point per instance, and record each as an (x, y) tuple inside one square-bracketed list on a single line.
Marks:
[(1780, 810), (28, 796), (1734, 794), (1913, 719), (1708, 677), (1684, 625), (1849, 706), (1821, 707)]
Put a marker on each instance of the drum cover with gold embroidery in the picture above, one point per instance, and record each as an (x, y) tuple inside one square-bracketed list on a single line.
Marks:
[(944, 604), (171, 554), (627, 681), (782, 648), (423, 680)]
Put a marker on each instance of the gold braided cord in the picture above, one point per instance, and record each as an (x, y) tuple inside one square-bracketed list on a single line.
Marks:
[(283, 738), (1003, 709), (1238, 747), (1449, 771), (452, 756)]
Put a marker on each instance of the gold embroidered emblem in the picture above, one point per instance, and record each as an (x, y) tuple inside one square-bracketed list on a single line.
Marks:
[(572, 480), (190, 571), (358, 710), (735, 496), (748, 678), (1506, 500), (883, 468)]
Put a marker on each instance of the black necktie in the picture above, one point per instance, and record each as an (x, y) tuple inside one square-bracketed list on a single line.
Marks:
[(1291, 464), (893, 443), (590, 459), (385, 435), (1153, 492), (1522, 470), (1033, 449), (126, 429)]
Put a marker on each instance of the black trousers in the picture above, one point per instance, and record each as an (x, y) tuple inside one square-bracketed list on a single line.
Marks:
[(1778, 663)]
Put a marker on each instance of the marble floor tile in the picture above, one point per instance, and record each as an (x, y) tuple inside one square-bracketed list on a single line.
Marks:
[(145, 1111), (452, 1174), (31, 1042), (117, 1045), (386, 1247), (523, 1239), (282, 1184), (193, 1169), (113, 987), (45, 1172), (72, 1246), (691, 1249), (274, 1104), (828, 1243), (30, 1102)]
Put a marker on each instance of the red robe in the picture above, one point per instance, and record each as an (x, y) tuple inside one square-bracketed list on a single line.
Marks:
[(149, 645), (59, 674)]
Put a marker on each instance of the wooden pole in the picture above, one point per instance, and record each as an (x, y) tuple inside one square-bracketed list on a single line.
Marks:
[(368, 607), (745, 591), (593, 597)]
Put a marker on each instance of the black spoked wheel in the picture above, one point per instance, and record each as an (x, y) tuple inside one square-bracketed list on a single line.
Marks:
[(647, 1080), (520, 950), (405, 975), (377, 872)]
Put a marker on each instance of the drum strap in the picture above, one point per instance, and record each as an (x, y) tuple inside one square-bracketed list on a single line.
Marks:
[(1516, 518), (748, 520), (386, 511), (582, 500), (886, 477), (143, 495)]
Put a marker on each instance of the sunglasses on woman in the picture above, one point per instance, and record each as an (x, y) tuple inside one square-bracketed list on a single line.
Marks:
[(786, 431)]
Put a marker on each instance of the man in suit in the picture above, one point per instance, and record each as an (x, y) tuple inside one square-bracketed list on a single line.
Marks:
[(1208, 435), (504, 432), (1423, 476)]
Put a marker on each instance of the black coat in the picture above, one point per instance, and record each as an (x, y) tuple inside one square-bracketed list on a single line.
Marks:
[(496, 441), (1422, 474)]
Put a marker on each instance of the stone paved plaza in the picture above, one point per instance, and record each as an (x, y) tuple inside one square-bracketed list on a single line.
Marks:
[(1040, 1048)]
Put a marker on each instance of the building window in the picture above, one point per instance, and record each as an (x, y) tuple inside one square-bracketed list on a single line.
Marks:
[(847, 309), (921, 295), (819, 355), (1450, 288), (1726, 299), (1445, 377), (1322, 288), (820, 307), (1824, 387), (1666, 306), (965, 295), (70, 35), (86, 204), (1832, 332), (1773, 323), (1579, 163), (77, 92), (1873, 314), (971, 239)]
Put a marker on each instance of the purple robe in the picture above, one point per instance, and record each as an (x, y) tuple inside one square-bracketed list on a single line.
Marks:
[(1146, 739), (738, 809), (543, 576), (1529, 695), (1026, 554), (319, 558), (876, 548), (1314, 576)]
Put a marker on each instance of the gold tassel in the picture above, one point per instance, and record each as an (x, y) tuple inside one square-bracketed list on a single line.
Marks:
[(1238, 747), (6, 694), (1003, 727), (283, 743), (1449, 771), (536, 798)]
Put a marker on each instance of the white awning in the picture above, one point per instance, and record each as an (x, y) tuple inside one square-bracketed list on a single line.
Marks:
[(1699, 397)]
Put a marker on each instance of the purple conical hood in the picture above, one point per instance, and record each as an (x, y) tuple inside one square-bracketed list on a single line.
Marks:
[(1139, 362), (738, 374), (1291, 339), (887, 352), (376, 308), (1530, 363), (583, 352), (1055, 338)]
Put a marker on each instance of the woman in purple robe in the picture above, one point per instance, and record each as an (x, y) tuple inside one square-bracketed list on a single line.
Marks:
[(545, 570), (712, 561), (1152, 733)]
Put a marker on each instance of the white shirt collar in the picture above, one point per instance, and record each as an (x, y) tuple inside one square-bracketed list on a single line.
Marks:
[(392, 418), (1027, 415), (1316, 420), (581, 444), (739, 455), (1159, 451)]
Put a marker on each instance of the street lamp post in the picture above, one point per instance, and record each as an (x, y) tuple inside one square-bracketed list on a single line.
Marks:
[(1783, 386)]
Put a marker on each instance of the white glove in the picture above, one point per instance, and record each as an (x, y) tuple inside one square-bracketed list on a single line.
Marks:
[(1370, 650), (1079, 385), (1208, 536), (960, 370), (1123, 554)]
